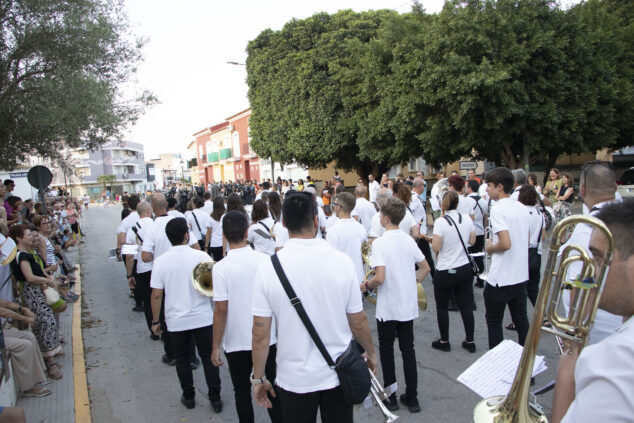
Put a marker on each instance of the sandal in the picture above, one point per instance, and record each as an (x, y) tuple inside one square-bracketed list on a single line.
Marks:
[(511, 326), (546, 324), (54, 371), (37, 391)]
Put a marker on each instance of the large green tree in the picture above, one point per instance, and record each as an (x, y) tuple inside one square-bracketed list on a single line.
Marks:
[(296, 90), (62, 68)]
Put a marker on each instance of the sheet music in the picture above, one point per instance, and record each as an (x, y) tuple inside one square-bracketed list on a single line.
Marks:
[(112, 253), (493, 373), (128, 249)]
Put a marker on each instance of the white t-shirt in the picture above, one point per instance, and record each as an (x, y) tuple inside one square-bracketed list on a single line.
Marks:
[(511, 266), (184, 307), (143, 226), (203, 220), (604, 380), (516, 194), (261, 244), (176, 213), (479, 209), (322, 222), (156, 241), (208, 207), (347, 236), (452, 254), (376, 230), (373, 188), (536, 224), (127, 223), (328, 293), (482, 191), (216, 232), (605, 324), (365, 210), (281, 235), (464, 206), (417, 209), (233, 279), (397, 296)]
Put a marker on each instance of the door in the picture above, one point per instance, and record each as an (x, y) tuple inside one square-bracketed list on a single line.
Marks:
[(247, 170)]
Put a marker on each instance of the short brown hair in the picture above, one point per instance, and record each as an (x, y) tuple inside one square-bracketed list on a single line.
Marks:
[(260, 211), (17, 231), (346, 201), (404, 194), (394, 209)]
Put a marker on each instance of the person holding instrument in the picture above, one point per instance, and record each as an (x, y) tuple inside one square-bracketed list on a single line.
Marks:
[(597, 384)]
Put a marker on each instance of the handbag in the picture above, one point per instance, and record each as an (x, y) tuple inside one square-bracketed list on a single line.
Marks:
[(474, 266), (353, 373), (53, 298)]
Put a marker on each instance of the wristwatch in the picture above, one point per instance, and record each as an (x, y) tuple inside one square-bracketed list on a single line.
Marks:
[(155, 323), (257, 381)]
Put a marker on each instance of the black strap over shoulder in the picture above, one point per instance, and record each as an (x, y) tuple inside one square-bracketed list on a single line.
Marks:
[(136, 231), (265, 227), (297, 303), (450, 221), (197, 224)]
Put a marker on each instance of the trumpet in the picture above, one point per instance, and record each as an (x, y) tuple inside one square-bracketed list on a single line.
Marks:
[(574, 326), (202, 279), (379, 394)]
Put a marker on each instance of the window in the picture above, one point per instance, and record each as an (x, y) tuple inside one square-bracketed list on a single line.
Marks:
[(200, 152), (236, 144)]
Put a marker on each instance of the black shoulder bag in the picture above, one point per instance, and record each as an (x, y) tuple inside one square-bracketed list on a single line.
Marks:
[(354, 376), (474, 266)]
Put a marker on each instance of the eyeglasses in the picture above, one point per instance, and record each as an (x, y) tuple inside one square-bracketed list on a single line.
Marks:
[(335, 204)]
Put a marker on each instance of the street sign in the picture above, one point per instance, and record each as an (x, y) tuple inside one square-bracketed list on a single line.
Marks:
[(40, 177), (489, 166), (468, 165)]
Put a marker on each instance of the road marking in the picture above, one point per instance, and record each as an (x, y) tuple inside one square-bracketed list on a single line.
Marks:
[(82, 402)]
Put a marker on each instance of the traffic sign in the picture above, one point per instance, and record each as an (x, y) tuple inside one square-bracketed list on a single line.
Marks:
[(468, 165)]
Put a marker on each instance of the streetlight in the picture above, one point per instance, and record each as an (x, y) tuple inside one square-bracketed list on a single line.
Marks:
[(182, 174)]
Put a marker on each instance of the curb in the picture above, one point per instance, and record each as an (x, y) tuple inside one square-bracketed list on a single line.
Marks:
[(82, 401)]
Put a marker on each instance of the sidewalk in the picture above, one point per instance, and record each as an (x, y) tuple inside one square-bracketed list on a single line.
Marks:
[(68, 402)]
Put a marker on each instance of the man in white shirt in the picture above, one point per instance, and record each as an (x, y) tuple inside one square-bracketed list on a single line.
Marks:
[(417, 207), (508, 274), (171, 208), (209, 205), (187, 313), (596, 187), (139, 275), (373, 188), (233, 279), (393, 258), (122, 232), (407, 225), (347, 234), (198, 220), (598, 384), (330, 296), (480, 209), (363, 208), (155, 244), (266, 187), (456, 183)]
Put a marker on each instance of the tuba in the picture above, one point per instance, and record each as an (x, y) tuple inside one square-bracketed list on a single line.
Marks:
[(201, 278), (574, 326), (366, 251)]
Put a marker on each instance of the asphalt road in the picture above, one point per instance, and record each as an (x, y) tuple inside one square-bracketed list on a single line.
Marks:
[(129, 383)]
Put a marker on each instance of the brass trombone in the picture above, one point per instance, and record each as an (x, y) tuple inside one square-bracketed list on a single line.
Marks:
[(379, 394), (575, 326), (202, 279), (488, 235)]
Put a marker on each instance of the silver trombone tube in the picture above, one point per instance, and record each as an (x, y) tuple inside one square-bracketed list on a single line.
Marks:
[(379, 395)]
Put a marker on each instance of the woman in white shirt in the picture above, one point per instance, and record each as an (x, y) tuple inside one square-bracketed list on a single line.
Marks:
[(262, 223), (213, 239), (453, 271), (528, 196)]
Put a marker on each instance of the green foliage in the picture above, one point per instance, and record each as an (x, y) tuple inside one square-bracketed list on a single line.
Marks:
[(107, 181), (513, 82), (63, 63)]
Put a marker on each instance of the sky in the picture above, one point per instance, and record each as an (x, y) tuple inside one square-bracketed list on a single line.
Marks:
[(189, 45)]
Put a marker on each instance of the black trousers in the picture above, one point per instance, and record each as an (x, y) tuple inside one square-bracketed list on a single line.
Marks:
[(182, 342), (387, 332), (201, 244), (458, 284), (534, 274), (496, 299), (215, 253), (138, 300), (145, 292), (477, 248), (423, 246), (240, 366), (302, 408)]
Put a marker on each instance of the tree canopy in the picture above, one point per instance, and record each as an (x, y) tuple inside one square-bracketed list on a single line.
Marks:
[(508, 81), (62, 68)]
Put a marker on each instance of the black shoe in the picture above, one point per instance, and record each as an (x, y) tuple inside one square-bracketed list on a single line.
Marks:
[(479, 284), (411, 403), (453, 307), (154, 337), (169, 361), (195, 363), (188, 402), (391, 403), (474, 307), (511, 326), (469, 346), (216, 405), (442, 346), (137, 308)]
